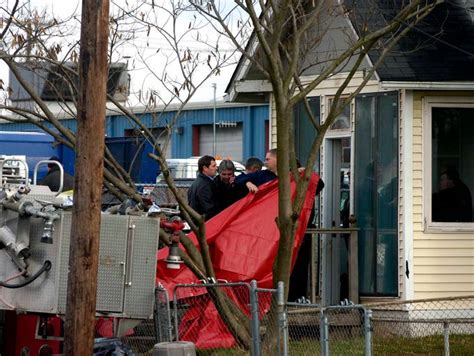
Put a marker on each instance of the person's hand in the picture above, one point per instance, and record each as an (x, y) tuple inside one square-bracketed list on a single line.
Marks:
[(232, 180), (301, 170), (251, 187)]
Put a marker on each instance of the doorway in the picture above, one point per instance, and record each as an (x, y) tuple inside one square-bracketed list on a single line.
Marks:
[(336, 211)]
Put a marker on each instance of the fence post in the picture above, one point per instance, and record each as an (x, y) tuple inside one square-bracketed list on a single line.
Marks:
[(158, 317), (446, 338), (282, 318), (255, 321), (368, 331), (175, 312), (324, 337)]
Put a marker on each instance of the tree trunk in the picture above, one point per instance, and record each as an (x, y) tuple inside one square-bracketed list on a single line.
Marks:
[(85, 229)]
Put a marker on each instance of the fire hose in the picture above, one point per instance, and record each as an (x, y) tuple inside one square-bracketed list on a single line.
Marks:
[(46, 267)]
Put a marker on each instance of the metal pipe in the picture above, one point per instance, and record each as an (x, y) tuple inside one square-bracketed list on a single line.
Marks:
[(214, 122), (368, 331), (8, 238), (25, 165), (282, 318), (446, 338), (255, 321), (324, 334), (175, 312), (61, 173), (27, 209)]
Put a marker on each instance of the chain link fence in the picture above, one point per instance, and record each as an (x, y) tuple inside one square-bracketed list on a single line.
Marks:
[(430, 326), (422, 327), (219, 318), (334, 330), (163, 195), (268, 325)]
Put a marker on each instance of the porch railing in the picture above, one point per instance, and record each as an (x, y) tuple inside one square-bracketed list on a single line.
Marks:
[(353, 260)]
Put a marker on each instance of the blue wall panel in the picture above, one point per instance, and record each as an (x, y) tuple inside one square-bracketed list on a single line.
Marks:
[(252, 117)]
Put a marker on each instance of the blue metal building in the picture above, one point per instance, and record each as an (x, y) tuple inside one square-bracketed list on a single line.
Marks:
[(242, 130)]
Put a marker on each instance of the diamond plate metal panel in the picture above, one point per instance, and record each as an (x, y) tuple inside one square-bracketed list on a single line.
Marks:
[(139, 295), (64, 257), (112, 250)]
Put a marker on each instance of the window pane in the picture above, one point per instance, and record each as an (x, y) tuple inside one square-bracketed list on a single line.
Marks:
[(376, 193), (364, 181), (452, 164), (305, 131), (387, 194), (343, 119)]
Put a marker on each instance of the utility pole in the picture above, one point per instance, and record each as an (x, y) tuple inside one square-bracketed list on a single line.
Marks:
[(85, 228), (214, 123)]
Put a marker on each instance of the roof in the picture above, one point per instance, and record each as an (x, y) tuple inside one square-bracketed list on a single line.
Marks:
[(438, 49)]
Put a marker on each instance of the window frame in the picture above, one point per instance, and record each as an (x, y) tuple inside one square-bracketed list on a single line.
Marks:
[(429, 103)]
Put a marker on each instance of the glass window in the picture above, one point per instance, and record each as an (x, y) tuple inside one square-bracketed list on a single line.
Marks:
[(305, 131), (452, 151), (342, 120), (376, 192)]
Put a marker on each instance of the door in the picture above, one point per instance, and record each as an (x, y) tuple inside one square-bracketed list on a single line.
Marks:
[(229, 141), (336, 211)]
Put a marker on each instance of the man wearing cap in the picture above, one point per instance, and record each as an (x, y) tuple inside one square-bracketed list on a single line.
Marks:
[(53, 178)]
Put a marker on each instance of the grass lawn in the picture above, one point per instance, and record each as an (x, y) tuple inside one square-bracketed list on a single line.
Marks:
[(429, 345)]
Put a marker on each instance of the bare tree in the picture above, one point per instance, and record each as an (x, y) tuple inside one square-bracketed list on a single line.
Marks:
[(194, 68), (281, 40), (156, 36), (286, 43)]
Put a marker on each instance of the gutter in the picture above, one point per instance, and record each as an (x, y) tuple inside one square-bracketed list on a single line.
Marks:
[(427, 85)]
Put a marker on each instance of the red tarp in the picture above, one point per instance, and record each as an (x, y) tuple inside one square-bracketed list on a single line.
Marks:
[(243, 243)]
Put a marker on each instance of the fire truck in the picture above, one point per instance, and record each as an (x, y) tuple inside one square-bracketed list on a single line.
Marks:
[(34, 248)]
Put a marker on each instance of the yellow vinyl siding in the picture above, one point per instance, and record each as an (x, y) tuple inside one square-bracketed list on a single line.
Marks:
[(443, 263), (439, 270), (444, 287), (443, 252), (463, 263), (443, 278), (441, 242), (440, 294)]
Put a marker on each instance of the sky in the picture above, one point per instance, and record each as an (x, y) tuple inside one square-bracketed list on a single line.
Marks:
[(145, 55)]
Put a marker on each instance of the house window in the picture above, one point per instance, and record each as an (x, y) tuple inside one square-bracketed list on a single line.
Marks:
[(305, 132), (449, 167), (342, 121), (376, 192)]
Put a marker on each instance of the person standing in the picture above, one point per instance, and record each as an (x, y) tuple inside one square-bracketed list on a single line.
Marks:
[(226, 191), (253, 180), (453, 201), (202, 193), (53, 177), (253, 164)]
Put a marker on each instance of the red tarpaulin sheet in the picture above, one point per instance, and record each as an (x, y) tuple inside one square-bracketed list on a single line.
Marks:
[(243, 242)]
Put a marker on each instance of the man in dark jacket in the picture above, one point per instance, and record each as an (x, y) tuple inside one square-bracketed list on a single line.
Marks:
[(53, 178), (253, 180), (226, 191), (202, 193)]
